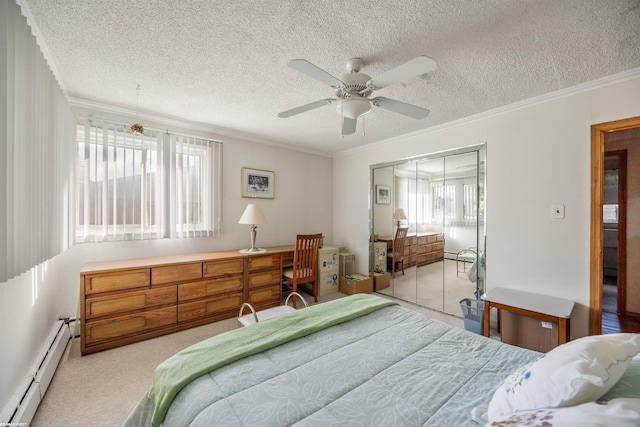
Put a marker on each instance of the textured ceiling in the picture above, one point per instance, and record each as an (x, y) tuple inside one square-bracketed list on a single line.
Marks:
[(224, 63)]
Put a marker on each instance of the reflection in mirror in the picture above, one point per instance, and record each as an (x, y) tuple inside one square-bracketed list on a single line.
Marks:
[(402, 258), (429, 241), (438, 201), (382, 226), (460, 220)]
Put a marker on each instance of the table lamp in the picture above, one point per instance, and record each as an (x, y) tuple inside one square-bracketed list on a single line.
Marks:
[(399, 215), (252, 215)]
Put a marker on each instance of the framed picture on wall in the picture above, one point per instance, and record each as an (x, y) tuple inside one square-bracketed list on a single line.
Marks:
[(383, 194), (258, 183)]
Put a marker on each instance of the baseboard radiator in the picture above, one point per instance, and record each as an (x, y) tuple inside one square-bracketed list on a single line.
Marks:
[(451, 255), (23, 403)]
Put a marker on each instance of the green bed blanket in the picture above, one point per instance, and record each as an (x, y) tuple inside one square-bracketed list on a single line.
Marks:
[(179, 370)]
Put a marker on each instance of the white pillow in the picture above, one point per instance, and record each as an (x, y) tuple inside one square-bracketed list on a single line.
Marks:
[(620, 412), (577, 372)]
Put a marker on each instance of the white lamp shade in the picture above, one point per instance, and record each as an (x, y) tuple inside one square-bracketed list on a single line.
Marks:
[(399, 214), (354, 107), (252, 215)]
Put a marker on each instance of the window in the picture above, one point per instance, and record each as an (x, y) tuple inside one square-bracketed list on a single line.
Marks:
[(455, 200), (147, 186), (470, 202), (444, 201), (451, 201)]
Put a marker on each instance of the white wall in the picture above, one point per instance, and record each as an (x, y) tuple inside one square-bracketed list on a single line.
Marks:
[(32, 302), (538, 155)]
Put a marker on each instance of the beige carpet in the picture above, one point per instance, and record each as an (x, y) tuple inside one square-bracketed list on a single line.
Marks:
[(436, 286), (102, 389)]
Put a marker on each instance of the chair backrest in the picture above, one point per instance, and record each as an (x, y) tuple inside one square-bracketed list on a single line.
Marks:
[(305, 257), (398, 243)]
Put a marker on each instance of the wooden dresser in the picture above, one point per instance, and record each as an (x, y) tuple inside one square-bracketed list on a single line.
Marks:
[(122, 302), (419, 249)]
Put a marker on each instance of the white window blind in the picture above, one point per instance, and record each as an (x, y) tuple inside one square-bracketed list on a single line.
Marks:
[(470, 200), (414, 196), (36, 152), (147, 186), (443, 197), (455, 201)]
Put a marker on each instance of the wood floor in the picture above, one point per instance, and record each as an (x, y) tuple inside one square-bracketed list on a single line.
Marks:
[(611, 321)]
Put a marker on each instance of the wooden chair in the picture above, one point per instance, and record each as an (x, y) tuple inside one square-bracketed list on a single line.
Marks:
[(304, 269), (397, 256)]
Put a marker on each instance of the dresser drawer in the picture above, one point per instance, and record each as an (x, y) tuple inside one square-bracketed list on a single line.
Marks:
[(265, 278), (431, 247), (116, 281), (206, 288), (131, 324), (422, 240), (176, 273), (209, 307), (129, 301), (421, 259), (266, 262), (222, 268), (265, 297)]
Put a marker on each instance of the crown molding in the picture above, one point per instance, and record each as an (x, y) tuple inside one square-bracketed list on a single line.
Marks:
[(219, 132), (551, 96)]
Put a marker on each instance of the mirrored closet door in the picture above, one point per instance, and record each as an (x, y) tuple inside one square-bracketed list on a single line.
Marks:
[(427, 228)]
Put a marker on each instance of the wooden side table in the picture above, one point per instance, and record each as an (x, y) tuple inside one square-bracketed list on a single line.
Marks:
[(543, 307)]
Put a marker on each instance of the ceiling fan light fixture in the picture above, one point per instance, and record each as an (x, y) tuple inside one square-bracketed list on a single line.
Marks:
[(352, 92), (354, 107)]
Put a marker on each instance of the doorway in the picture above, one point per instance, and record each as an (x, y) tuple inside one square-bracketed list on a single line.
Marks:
[(614, 218), (599, 135)]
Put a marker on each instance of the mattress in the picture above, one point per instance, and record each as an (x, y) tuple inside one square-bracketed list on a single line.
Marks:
[(392, 366)]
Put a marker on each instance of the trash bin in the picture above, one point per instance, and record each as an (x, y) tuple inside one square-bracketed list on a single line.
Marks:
[(473, 315)]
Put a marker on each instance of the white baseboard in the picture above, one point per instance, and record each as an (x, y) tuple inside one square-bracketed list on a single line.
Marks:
[(24, 402)]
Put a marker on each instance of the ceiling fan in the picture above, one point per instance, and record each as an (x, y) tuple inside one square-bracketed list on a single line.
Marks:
[(352, 92)]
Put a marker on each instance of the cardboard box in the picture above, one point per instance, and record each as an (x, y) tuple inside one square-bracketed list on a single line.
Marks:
[(381, 280), (356, 284)]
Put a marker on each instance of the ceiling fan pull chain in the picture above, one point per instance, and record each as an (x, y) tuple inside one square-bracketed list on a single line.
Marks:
[(364, 121), (342, 114)]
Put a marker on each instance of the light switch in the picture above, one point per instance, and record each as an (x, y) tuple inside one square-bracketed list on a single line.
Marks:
[(557, 211)]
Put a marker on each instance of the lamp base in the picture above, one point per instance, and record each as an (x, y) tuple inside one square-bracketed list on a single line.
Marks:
[(252, 250)]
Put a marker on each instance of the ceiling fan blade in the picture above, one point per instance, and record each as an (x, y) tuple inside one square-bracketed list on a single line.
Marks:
[(306, 107), (400, 107), (349, 126), (415, 67), (311, 70)]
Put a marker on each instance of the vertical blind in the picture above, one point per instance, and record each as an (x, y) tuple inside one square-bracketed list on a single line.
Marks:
[(454, 200), (154, 185), (36, 152)]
